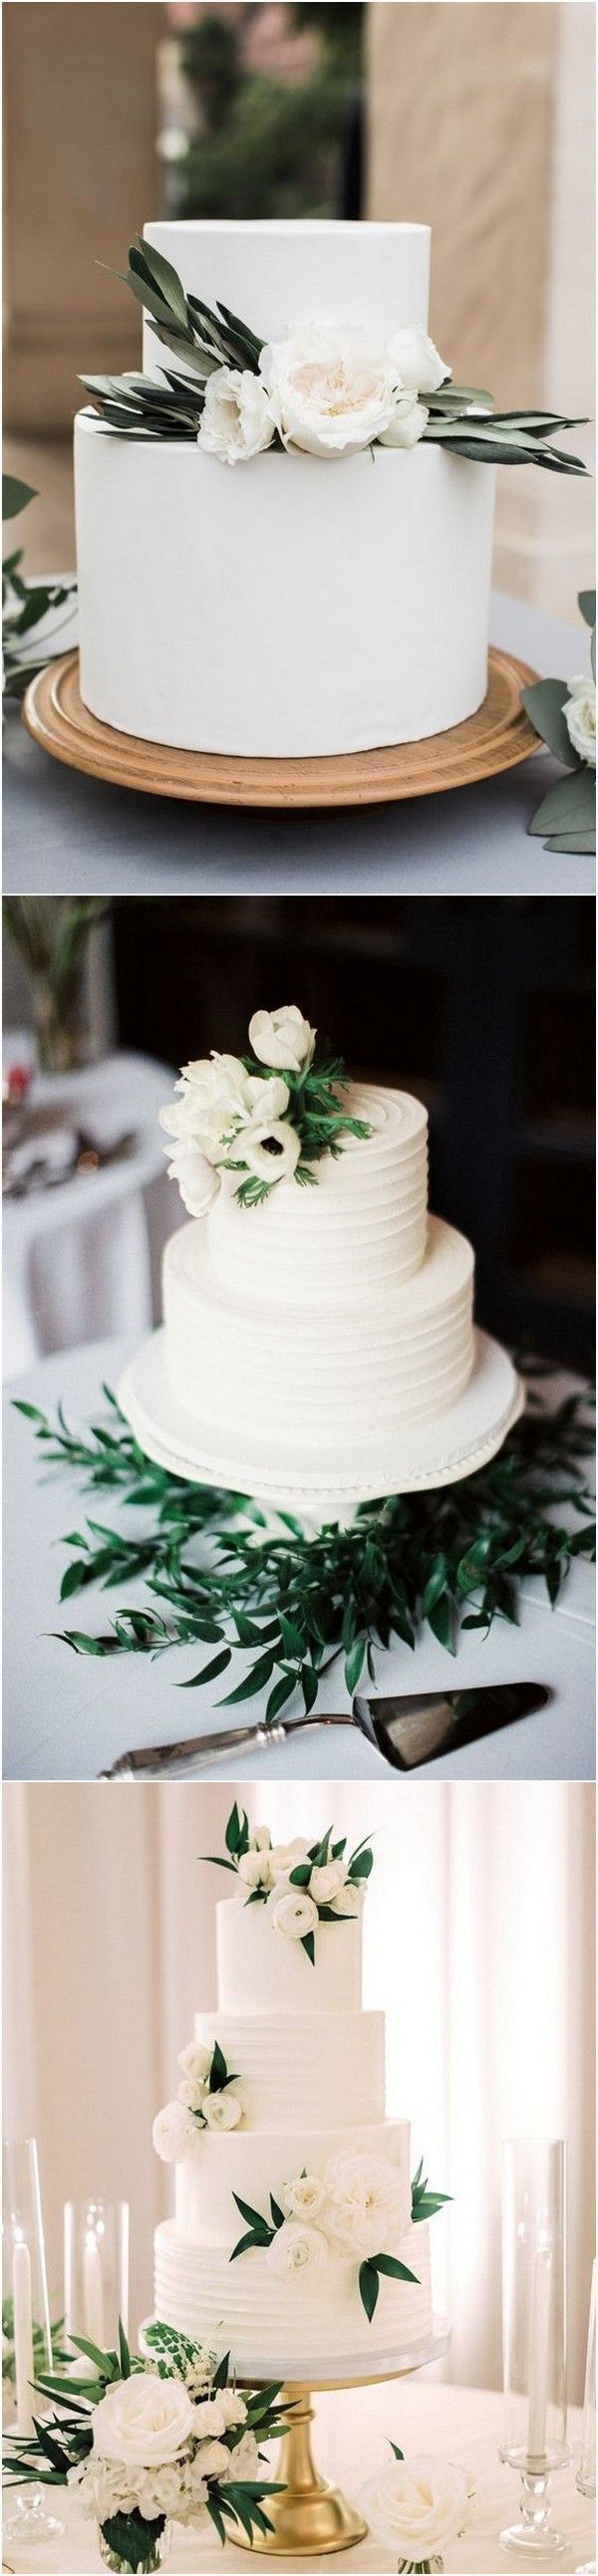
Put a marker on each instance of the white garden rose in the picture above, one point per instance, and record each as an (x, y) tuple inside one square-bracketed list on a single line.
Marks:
[(174, 2132), (304, 2198), (195, 2060), (197, 1180), (287, 1856), (408, 422), (368, 2204), (293, 1912), (327, 1882), (282, 1038), (233, 2409), (214, 2460), (254, 1869), (272, 1151), (416, 2507), (237, 421), (419, 367), (296, 2247), (143, 2421), (580, 718), (223, 2110), (331, 388)]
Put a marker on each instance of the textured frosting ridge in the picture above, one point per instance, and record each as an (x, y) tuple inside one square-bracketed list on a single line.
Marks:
[(295, 2063), (264, 2318), (359, 1231)]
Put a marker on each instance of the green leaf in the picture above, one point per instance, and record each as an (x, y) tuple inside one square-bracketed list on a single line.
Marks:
[(210, 1671), (544, 701), (162, 275), (394, 2270), (441, 1620), (354, 1663), (254, 1681), (583, 843), (369, 2288), (571, 805), (307, 1944), (15, 495), (218, 2070), (586, 601)]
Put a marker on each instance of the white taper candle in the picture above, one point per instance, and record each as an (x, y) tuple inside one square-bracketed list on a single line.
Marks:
[(23, 2336), (93, 2301), (539, 2353)]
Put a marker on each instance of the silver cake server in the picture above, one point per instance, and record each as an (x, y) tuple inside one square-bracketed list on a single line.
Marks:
[(407, 1730)]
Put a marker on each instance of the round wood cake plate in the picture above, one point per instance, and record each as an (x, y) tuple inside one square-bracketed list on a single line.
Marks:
[(497, 738)]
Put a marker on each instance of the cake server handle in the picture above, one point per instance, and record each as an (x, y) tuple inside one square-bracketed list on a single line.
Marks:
[(159, 1757)]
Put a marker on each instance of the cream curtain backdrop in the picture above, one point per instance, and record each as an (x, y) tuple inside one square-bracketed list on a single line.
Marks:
[(478, 1944)]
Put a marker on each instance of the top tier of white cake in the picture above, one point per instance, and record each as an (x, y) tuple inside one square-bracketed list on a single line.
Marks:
[(260, 1970), (278, 275), (359, 1232)]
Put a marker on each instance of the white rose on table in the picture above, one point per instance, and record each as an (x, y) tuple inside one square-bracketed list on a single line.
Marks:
[(271, 1151), (223, 2110), (143, 2421), (195, 2060), (237, 421), (304, 2198), (580, 718), (293, 1912), (196, 1178), (297, 2247), (287, 1856), (254, 1869), (282, 1038), (408, 422), (331, 388), (174, 2132), (327, 1882), (416, 2507), (368, 2204), (419, 367)]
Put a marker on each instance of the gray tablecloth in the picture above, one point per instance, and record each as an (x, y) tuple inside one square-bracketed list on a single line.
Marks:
[(63, 833)]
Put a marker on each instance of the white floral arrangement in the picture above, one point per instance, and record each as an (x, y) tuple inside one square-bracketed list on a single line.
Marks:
[(357, 2209), (142, 2442), (209, 2097), (416, 2508), (270, 1115), (301, 1884), (329, 389), (564, 715)]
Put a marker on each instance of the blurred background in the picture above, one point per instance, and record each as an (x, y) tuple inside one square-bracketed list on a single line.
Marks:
[(487, 1888), (470, 115), (485, 1010)]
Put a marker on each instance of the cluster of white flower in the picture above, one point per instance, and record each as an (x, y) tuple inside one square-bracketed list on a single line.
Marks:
[(265, 1870), (360, 2206), (154, 2450), (226, 1115), (199, 2105), (580, 718), (327, 389)]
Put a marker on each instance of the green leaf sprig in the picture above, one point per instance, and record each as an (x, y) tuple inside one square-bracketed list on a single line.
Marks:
[(566, 818), (25, 603)]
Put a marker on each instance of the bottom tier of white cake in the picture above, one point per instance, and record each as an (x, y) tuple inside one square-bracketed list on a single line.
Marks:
[(267, 2322)]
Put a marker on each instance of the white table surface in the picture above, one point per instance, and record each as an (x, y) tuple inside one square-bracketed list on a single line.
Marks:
[(70, 1716), (351, 2429), (68, 832), (82, 1259)]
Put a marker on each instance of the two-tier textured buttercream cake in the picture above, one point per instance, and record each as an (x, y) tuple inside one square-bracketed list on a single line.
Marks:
[(299, 2235), (318, 1344)]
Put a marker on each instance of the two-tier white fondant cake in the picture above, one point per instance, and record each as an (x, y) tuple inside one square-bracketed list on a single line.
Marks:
[(297, 2236), (293, 607)]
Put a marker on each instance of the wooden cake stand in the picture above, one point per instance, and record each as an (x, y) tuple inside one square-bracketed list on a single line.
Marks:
[(497, 738), (312, 2519)]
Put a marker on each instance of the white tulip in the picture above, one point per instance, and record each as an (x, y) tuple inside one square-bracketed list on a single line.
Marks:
[(237, 422), (580, 718), (417, 2507), (282, 1038), (331, 388), (408, 422), (418, 364)]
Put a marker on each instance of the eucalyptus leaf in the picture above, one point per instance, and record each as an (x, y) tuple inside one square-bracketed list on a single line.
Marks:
[(570, 805), (15, 495), (544, 701), (586, 602)]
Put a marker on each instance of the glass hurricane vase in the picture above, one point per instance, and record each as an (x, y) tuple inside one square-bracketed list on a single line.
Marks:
[(147, 2550)]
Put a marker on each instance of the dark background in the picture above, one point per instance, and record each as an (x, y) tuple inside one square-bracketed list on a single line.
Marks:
[(484, 1009)]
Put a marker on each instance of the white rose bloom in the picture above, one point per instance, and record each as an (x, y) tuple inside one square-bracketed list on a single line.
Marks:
[(143, 2421), (418, 364), (416, 2507), (408, 422), (287, 1856), (196, 1178), (223, 2110), (237, 422), (368, 2204), (211, 2417), (348, 1900), (331, 387), (293, 1912), (327, 1882), (254, 1869), (272, 1151), (195, 2060), (282, 1038), (580, 718), (296, 2247), (214, 2459), (174, 2132), (304, 2198), (233, 2409)]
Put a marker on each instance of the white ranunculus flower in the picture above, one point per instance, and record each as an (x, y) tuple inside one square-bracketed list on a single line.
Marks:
[(416, 2507), (254, 1869), (174, 2132), (580, 718), (327, 1882), (287, 1856), (293, 1912), (347, 1901), (331, 387), (408, 422), (305, 2197), (368, 2204), (195, 2060), (144, 2421), (237, 422), (197, 1180), (192, 2093), (282, 1038), (297, 2247), (272, 1151), (418, 364), (223, 2110)]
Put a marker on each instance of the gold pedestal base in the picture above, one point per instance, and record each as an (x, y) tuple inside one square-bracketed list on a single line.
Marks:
[(311, 2519)]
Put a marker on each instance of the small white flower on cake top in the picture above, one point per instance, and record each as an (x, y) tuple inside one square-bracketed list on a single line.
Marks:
[(580, 718), (255, 1869), (327, 1883), (297, 2247), (304, 2198), (348, 1900), (174, 2132), (197, 1180), (209, 2097), (282, 1037), (368, 2204), (223, 2110), (293, 1912), (287, 1856), (195, 2060), (408, 422), (419, 366), (143, 2419), (417, 2507), (272, 1150), (237, 421), (231, 1116)]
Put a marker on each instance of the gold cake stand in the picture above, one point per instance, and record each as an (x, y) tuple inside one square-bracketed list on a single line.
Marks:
[(496, 738), (312, 2519)]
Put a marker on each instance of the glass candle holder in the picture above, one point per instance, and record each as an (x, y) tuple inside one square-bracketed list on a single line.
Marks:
[(534, 2332), (96, 2269), (586, 2474), (26, 2313)]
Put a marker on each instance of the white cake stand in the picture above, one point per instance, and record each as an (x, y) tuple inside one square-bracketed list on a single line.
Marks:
[(320, 1485)]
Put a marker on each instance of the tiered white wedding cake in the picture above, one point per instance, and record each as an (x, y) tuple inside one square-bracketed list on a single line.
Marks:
[(285, 609), (298, 2236)]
